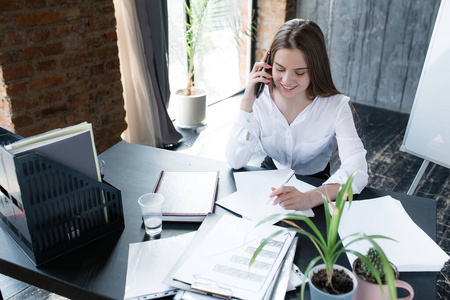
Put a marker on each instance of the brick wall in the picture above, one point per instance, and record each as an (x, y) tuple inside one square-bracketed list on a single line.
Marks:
[(271, 15), (59, 66)]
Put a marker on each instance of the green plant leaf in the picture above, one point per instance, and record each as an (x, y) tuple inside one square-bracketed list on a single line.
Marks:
[(372, 268), (204, 18), (389, 273), (327, 210), (295, 217), (344, 194), (359, 236), (311, 264), (265, 241), (316, 238), (320, 246)]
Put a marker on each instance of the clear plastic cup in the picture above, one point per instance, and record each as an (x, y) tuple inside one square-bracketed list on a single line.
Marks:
[(151, 205)]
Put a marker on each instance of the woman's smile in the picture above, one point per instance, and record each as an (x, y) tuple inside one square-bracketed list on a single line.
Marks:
[(288, 88)]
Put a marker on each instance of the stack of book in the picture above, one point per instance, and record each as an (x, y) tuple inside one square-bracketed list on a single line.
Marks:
[(72, 146)]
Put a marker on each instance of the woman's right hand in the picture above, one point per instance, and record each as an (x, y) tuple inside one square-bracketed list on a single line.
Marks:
[(256, 75)]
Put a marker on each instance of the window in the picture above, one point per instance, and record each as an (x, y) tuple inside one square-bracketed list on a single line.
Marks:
[(218, 67)]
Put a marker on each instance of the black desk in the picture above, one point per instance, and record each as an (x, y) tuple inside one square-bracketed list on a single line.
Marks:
[(99, 270)]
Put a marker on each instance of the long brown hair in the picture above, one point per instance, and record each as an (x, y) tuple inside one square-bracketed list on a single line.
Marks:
[(307, 37)]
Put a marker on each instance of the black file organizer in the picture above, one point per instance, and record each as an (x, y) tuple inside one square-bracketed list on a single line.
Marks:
[(59, 209)]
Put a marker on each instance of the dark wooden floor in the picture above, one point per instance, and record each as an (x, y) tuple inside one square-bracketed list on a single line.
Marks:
[(390, 169)]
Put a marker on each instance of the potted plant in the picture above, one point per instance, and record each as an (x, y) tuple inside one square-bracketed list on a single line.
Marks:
[(201, 18), (191, 101), (367, 284), (330, 248)]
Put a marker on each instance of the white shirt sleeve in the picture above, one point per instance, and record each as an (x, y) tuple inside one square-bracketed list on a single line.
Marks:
[(239, 148), (351, 152)]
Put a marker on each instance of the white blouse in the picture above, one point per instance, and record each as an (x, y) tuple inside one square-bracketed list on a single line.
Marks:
[(307, 144)]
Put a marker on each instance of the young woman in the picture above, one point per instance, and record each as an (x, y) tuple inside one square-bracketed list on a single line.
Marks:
[(299, 119)]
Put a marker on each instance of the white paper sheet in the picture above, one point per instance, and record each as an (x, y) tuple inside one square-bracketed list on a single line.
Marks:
[(149, 263), (253, 190), (414, 251), (222, 260)]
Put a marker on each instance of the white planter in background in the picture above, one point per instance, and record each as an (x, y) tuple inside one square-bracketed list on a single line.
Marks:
[(190, 110)]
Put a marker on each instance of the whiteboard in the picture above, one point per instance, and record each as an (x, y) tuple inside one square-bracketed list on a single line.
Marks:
[(428, 132)]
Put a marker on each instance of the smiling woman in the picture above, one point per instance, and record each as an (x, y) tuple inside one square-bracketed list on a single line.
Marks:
[(299, 119), (291, 79)]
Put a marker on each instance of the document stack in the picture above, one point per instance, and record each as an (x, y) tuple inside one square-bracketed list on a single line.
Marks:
[(213, 262), (52, 198)]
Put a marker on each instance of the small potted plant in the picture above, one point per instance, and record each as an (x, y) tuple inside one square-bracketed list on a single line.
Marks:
[(368, 287), (330, 249), (203, 18), (191, 101)]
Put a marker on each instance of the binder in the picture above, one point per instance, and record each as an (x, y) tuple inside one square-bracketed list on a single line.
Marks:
[(49, 209), (210, 286)]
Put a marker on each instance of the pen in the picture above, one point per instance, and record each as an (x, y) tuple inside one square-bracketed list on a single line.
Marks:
[(288, 177)]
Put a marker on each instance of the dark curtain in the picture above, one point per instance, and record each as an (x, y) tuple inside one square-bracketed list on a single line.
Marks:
[(153, 21)]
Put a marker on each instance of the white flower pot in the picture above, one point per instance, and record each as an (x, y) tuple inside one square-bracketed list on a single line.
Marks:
[(190, 110), (317, 294)]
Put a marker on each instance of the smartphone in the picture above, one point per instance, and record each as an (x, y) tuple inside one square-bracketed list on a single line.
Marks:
[(260, 85)]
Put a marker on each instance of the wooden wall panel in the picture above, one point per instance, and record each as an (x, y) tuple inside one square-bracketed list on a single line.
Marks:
[(377, 47)]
